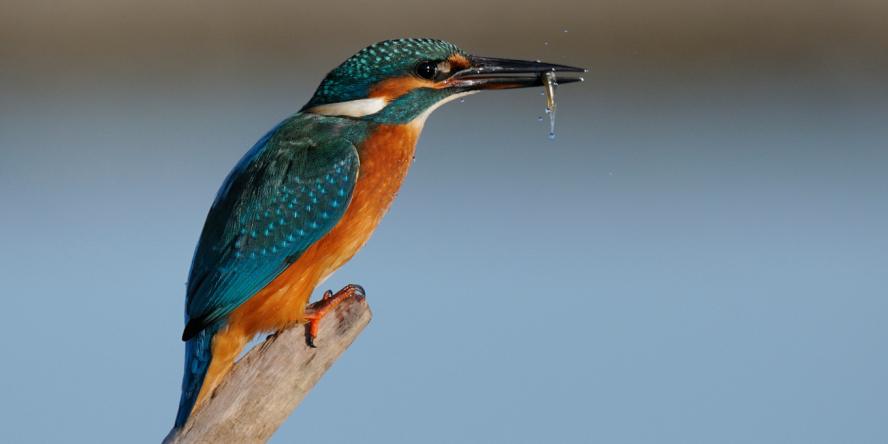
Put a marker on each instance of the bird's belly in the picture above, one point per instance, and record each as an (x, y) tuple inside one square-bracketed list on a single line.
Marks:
[(385, 159)]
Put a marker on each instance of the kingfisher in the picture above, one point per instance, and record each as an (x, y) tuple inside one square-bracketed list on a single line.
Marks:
[(309, 194)]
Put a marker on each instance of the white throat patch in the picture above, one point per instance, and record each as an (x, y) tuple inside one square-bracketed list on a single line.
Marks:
[(365, 107), (419, 121), (352, 108)]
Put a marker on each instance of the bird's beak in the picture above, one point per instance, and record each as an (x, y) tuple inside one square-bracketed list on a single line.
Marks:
[(490, 73)]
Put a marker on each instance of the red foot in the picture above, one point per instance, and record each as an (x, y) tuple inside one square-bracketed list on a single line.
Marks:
[(319, 309)]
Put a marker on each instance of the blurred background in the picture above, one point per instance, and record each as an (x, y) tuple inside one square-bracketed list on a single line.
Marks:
[(699, 256)]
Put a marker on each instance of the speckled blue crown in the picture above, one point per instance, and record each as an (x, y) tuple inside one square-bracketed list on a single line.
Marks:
[(352, 79)]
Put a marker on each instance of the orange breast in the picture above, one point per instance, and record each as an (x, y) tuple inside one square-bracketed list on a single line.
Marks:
[(385, 158)]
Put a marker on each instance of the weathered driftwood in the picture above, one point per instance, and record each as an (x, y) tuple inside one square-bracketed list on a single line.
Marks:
[(271, 380)]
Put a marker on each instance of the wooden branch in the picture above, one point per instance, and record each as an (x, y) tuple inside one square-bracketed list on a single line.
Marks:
[(269, 382)]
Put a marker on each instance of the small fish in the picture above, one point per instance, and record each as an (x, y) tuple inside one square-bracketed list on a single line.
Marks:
[(550, 83)]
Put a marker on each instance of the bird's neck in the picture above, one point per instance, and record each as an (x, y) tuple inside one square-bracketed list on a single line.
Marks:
[(386, 155)]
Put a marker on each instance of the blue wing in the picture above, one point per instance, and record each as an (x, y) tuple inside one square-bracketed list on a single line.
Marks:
[(285, 194)]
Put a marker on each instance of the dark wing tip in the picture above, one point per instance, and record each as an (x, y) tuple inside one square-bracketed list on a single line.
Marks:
[(192, 329)]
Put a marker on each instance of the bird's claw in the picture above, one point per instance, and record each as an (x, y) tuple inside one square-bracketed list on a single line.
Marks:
[(357, 288), (319, 309)]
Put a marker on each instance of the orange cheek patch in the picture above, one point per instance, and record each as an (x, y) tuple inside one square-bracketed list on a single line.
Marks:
[(393, 88), (458, 62)]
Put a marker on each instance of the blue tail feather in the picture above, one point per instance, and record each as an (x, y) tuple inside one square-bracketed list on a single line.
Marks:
[(198, 355)]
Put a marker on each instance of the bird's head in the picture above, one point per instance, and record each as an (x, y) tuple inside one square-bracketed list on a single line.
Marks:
[(402, 81)]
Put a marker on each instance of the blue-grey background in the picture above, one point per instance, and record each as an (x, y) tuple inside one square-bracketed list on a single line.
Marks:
[(700, 256)]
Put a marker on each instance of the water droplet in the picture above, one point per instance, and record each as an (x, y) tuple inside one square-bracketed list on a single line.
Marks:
[(541, 119), (565, 31), (462, 100), (414, 158), (543, 93), (551, 136), (548, 110), (547, 43)]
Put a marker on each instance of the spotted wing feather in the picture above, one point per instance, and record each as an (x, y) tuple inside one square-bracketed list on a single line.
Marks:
[(283, 196)]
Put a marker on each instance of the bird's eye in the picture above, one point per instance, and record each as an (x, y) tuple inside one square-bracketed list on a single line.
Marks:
[(427, 70)]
